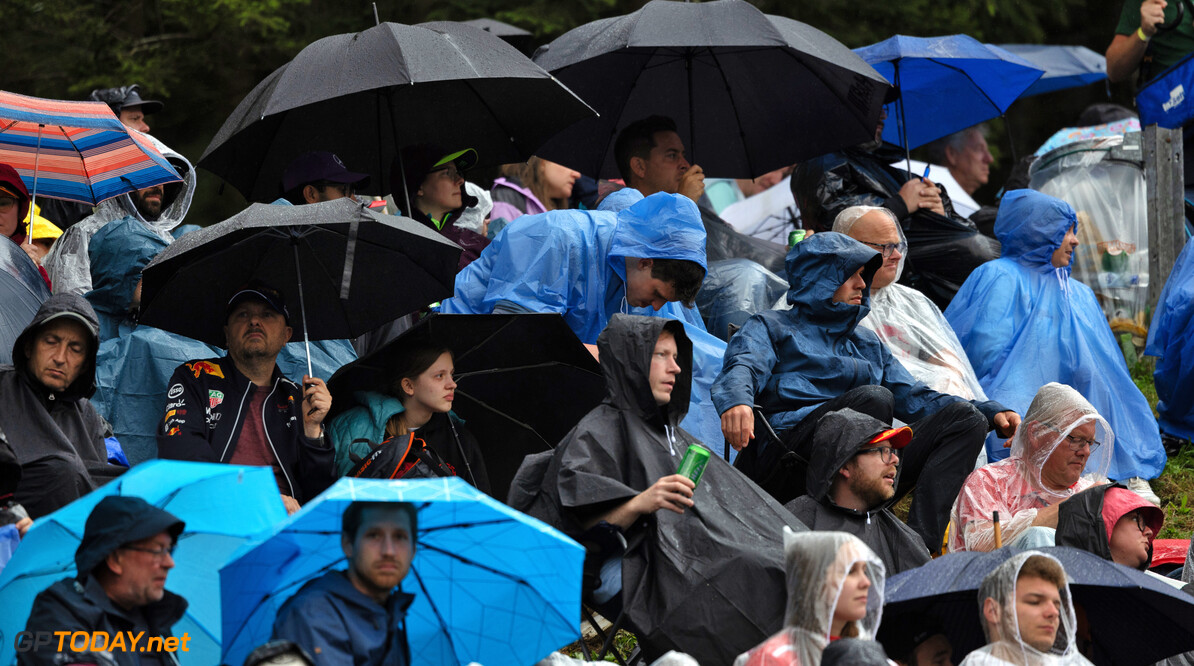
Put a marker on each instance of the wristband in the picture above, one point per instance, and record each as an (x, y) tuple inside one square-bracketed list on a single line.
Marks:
[(1140, 34)]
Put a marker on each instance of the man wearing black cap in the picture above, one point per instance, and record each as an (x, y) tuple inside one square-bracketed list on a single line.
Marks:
[(241, 409), (319, 176), (120, 587), (127, 104)]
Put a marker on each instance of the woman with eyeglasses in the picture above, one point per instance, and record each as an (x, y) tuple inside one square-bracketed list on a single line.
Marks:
[(432, 180), (1063, 446), (1111, 522)]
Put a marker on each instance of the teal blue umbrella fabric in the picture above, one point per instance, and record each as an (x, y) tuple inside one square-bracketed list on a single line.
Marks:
[(491, 585), (1065, 66), (946, 84), (222, 505)]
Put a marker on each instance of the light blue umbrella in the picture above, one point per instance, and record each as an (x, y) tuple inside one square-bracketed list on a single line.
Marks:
[(1065, 66), (491, 585), (222, 505)]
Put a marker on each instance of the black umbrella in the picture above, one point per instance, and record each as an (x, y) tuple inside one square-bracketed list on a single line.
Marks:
[(523, 381), (1134, 619), (749, 92), (513, 35), (365, 95), (351, 268)]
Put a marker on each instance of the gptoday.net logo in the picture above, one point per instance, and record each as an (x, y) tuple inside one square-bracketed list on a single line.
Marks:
[(99, 641)]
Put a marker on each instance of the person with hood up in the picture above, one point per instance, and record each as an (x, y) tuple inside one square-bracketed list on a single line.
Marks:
[(701, 570), (160, 208), (835, 591), (1025, 322), (122, 563), (853, 479), (1028, 615), (52, 426), (1171, 341), (1063, 447), (800, 364), (1114, 523), (910, 324), (14, 215)]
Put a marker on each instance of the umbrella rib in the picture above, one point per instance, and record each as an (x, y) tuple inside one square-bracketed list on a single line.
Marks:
[(489, 337), (972, 82), (535, 366), (513, 420), (443, 626)]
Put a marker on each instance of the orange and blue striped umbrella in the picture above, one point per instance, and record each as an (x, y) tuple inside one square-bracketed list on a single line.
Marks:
[(77, 151)]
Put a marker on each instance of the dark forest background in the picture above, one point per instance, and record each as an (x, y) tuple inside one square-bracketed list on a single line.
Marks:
[(202, 56)]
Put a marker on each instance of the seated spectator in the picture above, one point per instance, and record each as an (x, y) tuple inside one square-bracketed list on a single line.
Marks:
[(1062, 447), (911, 326), (1024, 302), (968, 159), (801, 364), (852, 480), (217, 410), (118, 253), (356, 617), (679, 559), (120, 586), (319, 176), (534, 187), (51, 425), (435, 186), (1171, 340), (835, 590), (14, 213), (1027, 613), (419, 403), (915, 639)]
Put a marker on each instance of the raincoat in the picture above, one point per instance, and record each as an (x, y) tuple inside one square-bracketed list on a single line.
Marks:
[(1171, 340), (817, 564), (58, 437), (1000, 585), (1013, 486), (118, 252), (838, 438), (1087, 519), (1024, 323), (573, 263), (708, 581), (789, 362), (69, 260)]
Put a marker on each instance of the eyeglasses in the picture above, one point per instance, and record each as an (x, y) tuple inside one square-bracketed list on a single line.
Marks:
[(450, 172), (887, 248), (1138, 518), (886, 453), (6, 204), (159, 554), (1076, 443)]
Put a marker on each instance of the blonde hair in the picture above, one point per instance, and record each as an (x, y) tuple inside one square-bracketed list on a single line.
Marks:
[(530, 174)]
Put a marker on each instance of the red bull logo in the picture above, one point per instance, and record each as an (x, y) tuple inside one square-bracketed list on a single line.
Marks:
[(201, 367), (173, 431)]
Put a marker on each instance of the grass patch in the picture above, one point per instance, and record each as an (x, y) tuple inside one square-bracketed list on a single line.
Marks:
[(1175, 487), (624, 643)]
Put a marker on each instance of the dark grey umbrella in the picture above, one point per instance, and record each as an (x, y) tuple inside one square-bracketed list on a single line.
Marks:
[(749, 92), (342, 268), (365, 95)]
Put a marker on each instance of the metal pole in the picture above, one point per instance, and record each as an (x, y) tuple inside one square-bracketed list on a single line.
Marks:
[(302, 305)]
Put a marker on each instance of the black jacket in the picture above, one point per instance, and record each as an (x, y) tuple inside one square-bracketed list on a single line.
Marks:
[(838, 437), (719, 564), (205, 413)]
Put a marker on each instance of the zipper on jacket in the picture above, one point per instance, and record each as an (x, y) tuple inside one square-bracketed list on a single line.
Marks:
[(271, 442), (235, 423)]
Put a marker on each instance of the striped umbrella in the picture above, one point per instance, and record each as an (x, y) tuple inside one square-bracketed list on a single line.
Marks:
[(77, 151)]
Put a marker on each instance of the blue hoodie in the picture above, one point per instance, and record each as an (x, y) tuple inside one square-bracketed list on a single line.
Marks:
[(1171, 339), (1025, 323), (790, 362)]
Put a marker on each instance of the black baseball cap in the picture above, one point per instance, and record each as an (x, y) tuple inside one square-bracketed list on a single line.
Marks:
[(320, 165), (259, 292)]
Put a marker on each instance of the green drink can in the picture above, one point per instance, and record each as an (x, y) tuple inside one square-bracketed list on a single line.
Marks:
[(795, 237), (693, 465)]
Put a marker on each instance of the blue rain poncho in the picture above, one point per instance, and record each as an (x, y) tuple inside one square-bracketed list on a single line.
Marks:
[(1171, 340), (572, 262), (1025, 323)]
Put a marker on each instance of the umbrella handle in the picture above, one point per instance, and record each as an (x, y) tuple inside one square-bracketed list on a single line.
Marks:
[(1177, 20)]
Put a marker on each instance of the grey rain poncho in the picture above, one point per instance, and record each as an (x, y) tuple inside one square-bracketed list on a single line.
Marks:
[(1013, 486), (817, 565), (1008, 647)]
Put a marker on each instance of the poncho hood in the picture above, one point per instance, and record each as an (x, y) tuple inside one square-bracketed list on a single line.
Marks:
[(1031, 225), (626, 347), (816, 268), (56, 306)]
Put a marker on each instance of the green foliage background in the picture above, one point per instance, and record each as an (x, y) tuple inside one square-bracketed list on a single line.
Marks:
[(202, 56)]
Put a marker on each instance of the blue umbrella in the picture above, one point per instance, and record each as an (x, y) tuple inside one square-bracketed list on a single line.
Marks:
[(491, 585), (1135, 619), (946, 84), (1065, 66), (222, 505)]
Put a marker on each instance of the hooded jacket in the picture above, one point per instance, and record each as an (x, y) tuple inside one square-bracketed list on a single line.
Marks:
[(709, 581), (1171, 341), (511, 200), (1025, 323), (838, 438), (1086, 520), (69, 260), (328, 617), (789, 362), (117, 254), (58, 437)]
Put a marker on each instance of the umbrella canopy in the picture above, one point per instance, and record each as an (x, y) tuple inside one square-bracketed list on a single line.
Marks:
[(210, 498), (77, 151), (365, 95), (1065, 66), (22, 291), (359, 269), (1119, 602), (523, 381), (491, 585), (946, 84), (749, 92)]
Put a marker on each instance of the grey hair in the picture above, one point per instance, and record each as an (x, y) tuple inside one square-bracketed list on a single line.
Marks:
[(955, 141), (846, 219)]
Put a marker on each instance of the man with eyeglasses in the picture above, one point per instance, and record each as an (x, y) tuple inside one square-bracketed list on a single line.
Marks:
[(1111, 522), (853, 481), (119, 586), (319, 176), (1063, 447)]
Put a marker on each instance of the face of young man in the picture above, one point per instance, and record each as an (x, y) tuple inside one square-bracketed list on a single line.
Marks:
[(57, 353), (664, 167), (869, 477), (255, 330), (851, 290), (643, 290), (1038, 611), (380, 553), (149, 201), (133, 117), (665, 368), (1129, 540)]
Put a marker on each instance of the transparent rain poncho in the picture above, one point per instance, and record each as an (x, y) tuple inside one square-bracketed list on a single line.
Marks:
[(817, 566), (1014, 486), (1008, 647), (914, 329)]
